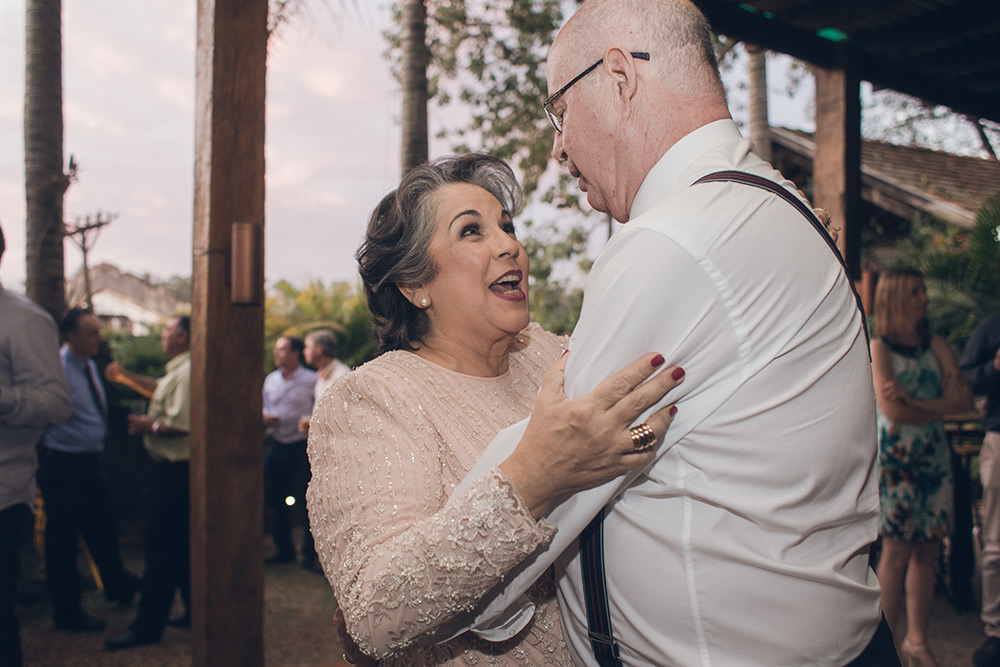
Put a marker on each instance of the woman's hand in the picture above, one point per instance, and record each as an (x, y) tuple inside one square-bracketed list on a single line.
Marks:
[(572, 445), (894, 391)]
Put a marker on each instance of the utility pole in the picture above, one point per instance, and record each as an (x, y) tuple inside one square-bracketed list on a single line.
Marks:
[(83, 233)]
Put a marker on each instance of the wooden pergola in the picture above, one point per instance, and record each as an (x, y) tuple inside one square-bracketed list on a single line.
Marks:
[(941, 50)]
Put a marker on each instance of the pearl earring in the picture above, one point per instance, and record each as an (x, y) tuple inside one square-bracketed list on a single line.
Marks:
[(424, 302)]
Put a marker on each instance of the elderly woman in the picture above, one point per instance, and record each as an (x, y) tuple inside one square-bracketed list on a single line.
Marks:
[(917, 383), (446, 280)]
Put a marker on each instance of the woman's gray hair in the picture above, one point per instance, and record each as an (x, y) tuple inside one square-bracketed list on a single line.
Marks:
[(396, 249)]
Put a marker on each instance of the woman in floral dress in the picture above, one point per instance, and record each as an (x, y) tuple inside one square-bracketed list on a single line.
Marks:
[(917, 383)]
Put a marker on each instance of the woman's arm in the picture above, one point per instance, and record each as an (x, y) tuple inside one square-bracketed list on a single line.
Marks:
[(399, 562), (404, 565), (574, 445), (956, 395), (893, 400), (898, 406)]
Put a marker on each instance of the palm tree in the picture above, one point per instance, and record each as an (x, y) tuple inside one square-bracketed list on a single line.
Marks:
[(44, 180), (964, 281), (414, 83)]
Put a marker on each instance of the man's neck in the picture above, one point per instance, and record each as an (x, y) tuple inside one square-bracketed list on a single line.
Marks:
[(288, 372), (324, 367)]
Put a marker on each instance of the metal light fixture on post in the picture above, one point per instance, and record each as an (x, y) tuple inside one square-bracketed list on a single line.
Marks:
[(247, 264)]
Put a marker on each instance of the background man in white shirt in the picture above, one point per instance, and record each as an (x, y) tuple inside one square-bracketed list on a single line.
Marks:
[(746, 541), (321, 353)]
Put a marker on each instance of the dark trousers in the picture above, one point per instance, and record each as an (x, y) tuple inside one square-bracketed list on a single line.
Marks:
[(167, 549), (78, 502), (15, 527), (286, 475)]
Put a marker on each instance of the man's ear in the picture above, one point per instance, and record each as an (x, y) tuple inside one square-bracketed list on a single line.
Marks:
[(619, 63)]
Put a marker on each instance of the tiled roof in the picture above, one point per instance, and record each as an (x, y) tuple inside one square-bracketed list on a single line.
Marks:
[(949, 186)]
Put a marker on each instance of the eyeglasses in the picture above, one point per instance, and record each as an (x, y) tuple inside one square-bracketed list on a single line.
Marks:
[(556, 118)]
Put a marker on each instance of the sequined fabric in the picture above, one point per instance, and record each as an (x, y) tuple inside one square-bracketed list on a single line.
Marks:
[(387, 446)]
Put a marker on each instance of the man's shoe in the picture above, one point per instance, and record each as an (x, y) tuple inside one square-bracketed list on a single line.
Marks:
[(988, 653), (127, 639), (180, 621), (81, 623), (279, 558)]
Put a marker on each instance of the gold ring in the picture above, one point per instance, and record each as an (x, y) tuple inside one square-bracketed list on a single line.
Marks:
[(642, 437)]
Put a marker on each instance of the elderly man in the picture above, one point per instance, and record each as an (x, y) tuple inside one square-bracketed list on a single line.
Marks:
[(321, 353), (165, 431), (76, 493), (288, 397), (33, 393), (746, 541)]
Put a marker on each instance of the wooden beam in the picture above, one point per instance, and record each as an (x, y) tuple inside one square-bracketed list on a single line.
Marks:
[(227, 523), (837, 160)]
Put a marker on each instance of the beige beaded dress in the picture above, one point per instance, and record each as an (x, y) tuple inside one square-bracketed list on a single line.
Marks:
[(387, 445)]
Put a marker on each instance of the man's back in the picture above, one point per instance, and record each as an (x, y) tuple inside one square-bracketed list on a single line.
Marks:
[(33, 392), (746, 543)]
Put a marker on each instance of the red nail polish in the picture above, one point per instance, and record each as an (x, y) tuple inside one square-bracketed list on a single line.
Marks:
[(677, 374), (673, 410), (657, 361)]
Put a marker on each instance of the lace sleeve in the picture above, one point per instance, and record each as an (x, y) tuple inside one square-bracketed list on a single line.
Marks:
[(399, 562)]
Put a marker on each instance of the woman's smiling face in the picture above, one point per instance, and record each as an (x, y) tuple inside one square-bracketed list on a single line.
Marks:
[(480, 291)]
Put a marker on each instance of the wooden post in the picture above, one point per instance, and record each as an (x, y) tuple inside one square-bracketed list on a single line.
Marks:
[(227, 524), (837, 161)]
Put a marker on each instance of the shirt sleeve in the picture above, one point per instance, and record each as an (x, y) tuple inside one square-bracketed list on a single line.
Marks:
[(39, 394), (177, 404), (645, 294), (977, 359), (401, 565)]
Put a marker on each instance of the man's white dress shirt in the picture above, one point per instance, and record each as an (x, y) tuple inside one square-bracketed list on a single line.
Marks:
[(746, 542), (325, 377)]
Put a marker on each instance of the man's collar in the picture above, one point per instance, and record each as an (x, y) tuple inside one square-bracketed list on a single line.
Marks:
[(176, 361), (326, 370), (677, 159)]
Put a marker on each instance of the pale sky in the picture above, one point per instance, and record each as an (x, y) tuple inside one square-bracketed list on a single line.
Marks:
[(128, 79)]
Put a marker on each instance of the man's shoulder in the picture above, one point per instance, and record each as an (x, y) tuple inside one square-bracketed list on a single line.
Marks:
[(305, 375), (990, 324), (19, 310)]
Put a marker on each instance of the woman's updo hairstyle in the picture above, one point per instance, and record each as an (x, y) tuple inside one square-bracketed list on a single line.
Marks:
[(396, 252)]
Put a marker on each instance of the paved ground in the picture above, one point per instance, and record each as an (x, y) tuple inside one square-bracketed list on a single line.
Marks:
[(297, 624), (298, 631)]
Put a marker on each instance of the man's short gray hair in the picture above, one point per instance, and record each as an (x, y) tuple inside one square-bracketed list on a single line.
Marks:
[(326, 341)]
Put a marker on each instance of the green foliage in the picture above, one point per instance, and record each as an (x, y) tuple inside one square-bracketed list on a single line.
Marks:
[(139, 354), (295, 311), (961, 269), (555, 303), (488, 55)]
